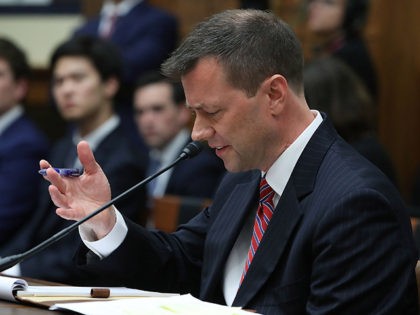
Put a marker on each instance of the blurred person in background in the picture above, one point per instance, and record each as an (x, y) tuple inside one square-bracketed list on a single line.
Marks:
[(334, 88), (85, 79), (22, 144), (339, 25), (163, 121), (145, 35)]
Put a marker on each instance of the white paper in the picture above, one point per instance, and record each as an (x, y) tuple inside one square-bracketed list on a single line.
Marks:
[(8, 285), (183, 304), (11, 287)]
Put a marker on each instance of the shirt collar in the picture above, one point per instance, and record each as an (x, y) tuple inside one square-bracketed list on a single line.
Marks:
[(122, 8), (9, 117), (279, 173), (171, 151), (99, 134)]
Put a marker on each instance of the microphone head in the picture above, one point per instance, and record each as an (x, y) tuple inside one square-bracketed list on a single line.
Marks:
[(191, 149)]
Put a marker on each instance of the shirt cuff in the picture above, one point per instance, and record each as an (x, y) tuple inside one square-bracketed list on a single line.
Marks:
[(106, 245)]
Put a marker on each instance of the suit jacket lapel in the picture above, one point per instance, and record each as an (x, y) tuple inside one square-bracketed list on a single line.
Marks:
[(229, 223), (282, 224)]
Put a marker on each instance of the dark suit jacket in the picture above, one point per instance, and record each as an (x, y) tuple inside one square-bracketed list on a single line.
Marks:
[(22, 145), (198, 177), (145, 36), (123, 166), (339, 242)]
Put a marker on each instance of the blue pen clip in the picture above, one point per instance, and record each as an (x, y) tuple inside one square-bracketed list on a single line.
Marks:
[(68, 172)]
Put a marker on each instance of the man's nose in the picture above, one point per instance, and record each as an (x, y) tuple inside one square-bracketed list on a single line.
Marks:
[(201, 131)]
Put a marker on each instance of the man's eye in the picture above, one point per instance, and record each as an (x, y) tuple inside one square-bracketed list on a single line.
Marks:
[(157, 109), (78, 77), (213, 113)]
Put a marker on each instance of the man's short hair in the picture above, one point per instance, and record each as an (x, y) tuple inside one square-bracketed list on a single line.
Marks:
[(250, 44)]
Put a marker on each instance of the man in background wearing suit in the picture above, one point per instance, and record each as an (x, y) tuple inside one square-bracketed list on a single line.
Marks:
[(85, 78), (302, 224), (145, 36), (162, 120), (22, 144)]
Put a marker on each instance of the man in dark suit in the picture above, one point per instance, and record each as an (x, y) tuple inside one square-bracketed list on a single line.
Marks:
[(22, 144), (302, 225), (85, 79), (163, 122)]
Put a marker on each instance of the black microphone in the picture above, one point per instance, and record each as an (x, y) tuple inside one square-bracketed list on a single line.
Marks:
[(189, 151)]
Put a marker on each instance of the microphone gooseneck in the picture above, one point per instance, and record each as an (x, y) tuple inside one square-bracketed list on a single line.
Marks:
[(189, 151)]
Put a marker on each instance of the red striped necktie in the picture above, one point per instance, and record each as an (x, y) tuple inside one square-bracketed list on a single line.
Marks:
[(262, 218)]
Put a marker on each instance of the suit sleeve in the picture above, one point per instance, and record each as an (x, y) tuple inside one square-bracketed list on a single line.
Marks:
[(153, 260)]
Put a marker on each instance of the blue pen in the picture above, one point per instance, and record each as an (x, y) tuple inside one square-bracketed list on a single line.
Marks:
[(68, 172)]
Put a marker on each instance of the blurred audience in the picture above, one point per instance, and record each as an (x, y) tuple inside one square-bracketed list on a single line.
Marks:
[(332, 87), (339, 26), (22, 144), (163, 122), (145, 35), (85, 78)]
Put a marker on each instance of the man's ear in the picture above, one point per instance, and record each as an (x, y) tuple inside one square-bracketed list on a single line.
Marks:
[(276, 89), (111, 87)]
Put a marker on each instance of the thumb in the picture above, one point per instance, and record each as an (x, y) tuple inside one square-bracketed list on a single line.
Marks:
[(86, 157)]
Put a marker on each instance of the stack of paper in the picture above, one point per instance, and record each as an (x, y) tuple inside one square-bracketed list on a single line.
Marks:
[(183, 304)]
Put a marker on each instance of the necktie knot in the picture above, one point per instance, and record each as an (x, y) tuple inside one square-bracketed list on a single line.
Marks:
[(266, 205)]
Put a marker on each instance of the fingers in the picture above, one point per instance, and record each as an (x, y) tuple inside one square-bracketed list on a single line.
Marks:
[(57, 197), (55, 179), (64, 210), (44, 164)]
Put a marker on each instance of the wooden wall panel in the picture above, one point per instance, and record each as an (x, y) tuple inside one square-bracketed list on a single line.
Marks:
[(393, 33)]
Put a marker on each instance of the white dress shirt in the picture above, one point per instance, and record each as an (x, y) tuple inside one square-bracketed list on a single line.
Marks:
[(97, 136), (10, 117), (167, 156)]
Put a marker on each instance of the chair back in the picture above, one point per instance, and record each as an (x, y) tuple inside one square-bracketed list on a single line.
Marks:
[(169, 211)]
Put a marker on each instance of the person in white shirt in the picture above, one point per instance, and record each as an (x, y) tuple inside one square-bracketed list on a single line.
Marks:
[(145, 35), (163, 122)]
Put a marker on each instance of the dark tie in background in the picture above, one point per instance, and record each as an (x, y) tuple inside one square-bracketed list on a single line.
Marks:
[(112, 20), (262, 218)]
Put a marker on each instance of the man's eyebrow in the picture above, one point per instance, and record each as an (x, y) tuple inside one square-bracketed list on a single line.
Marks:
[(197, 106)]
